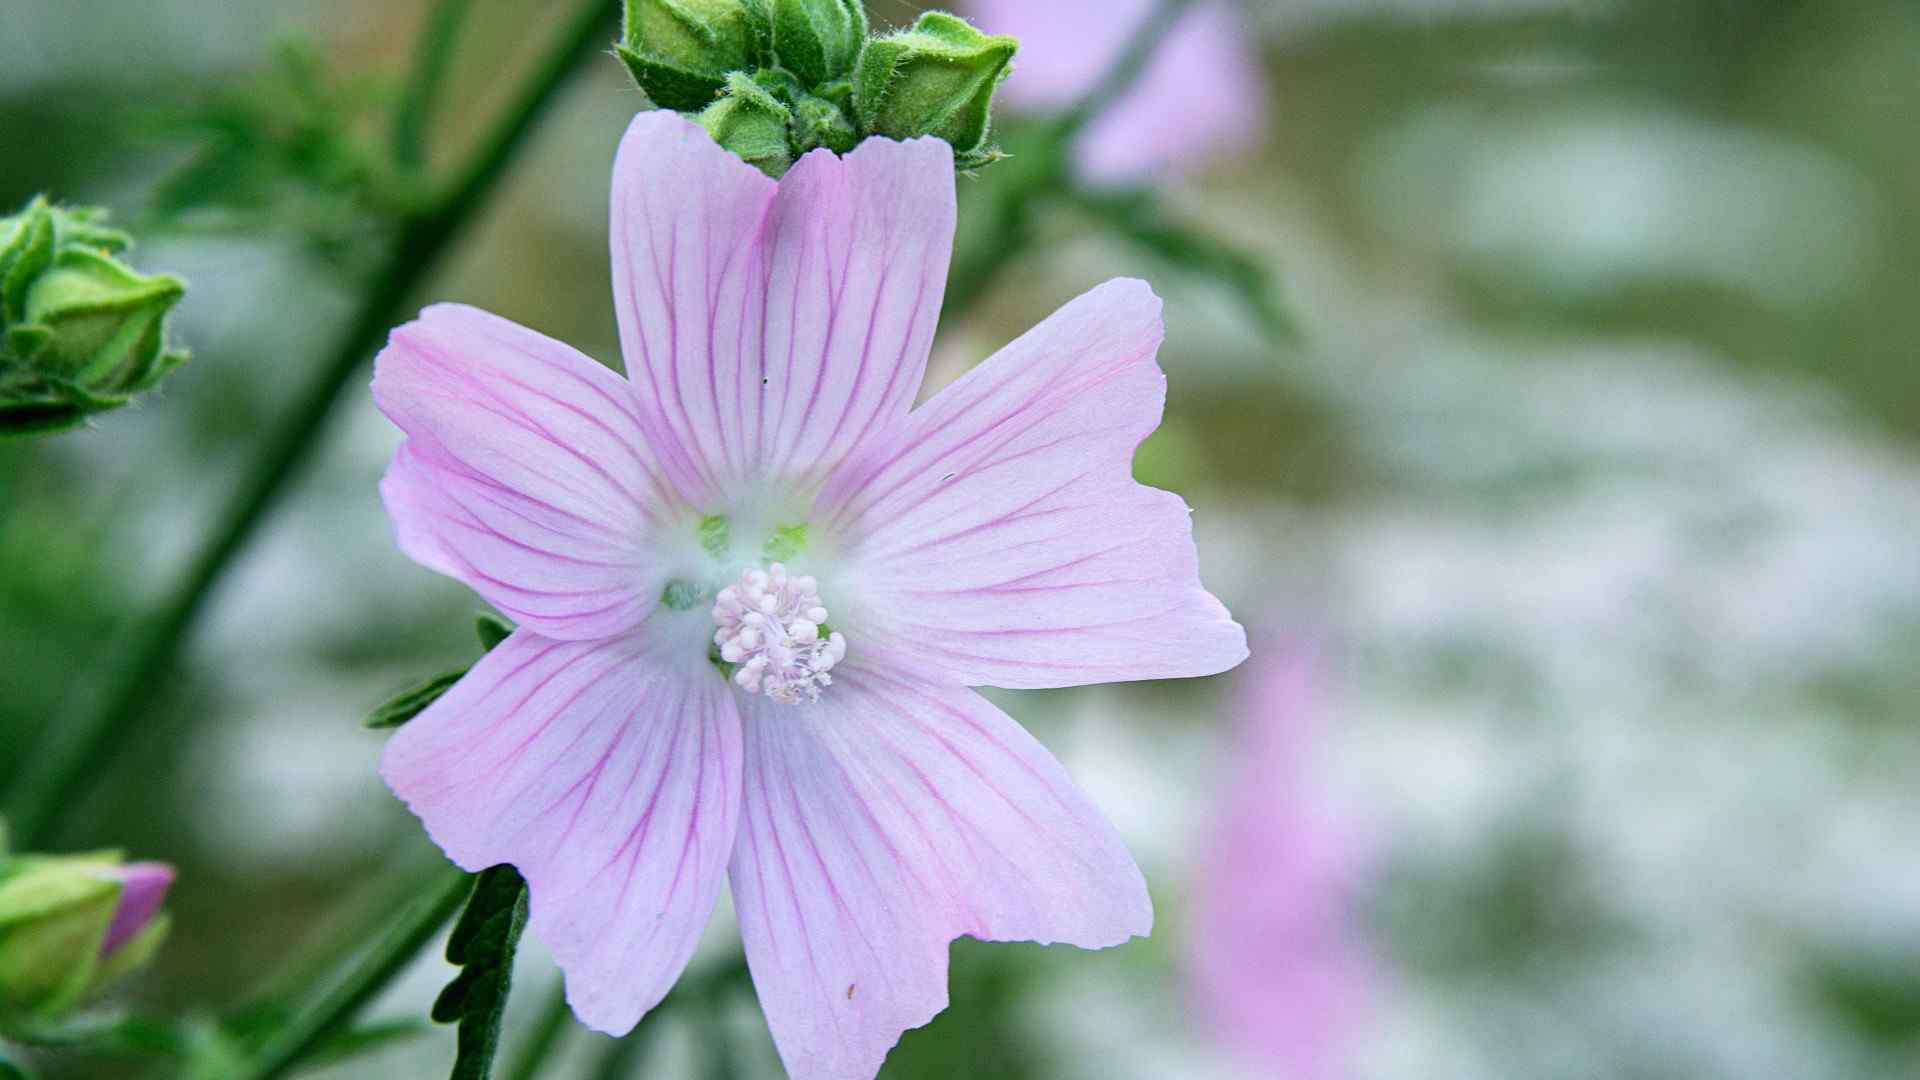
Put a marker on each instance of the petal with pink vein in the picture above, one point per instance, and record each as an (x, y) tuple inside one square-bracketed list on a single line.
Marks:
[(1004, 541), (776, 325), (883, 822), (525, 473), (610, 776)]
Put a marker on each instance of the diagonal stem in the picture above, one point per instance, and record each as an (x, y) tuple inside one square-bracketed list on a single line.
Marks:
[(413, 118), (1009, 229), (72, 750), (416, 928)]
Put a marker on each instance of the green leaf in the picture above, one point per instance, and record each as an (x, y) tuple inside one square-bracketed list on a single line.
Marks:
[(413, 701), (482, 945), (492, 629)]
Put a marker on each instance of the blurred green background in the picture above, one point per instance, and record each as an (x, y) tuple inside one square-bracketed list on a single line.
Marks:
[(1594, 468)]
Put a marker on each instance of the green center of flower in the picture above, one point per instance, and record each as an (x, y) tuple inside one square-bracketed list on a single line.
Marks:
[(770, 625)]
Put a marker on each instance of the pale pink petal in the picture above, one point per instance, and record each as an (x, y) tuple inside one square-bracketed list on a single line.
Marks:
[(1278, 968), (1005, 542), (610, 776), (143, 888), (1201, 95), (525, 473), (885, 821), (774, 326)]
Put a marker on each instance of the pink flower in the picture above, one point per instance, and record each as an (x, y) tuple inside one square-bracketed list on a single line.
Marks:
[(143, 888), (1277, 969), (753, 589), (1201, 95)]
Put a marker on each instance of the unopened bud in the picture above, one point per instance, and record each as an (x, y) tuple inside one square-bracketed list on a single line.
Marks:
[(751, 122), (938, 78), (72, 925), (819, 40), (681, 51), (80, 331)]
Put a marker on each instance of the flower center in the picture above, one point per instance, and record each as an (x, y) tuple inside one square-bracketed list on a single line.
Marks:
[(770, 627)]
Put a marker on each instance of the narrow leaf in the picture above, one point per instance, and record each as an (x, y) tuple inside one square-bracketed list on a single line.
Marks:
[(413, 701)]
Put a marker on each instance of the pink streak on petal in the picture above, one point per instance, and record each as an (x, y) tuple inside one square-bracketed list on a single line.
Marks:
[(143, 888), (774, 326), (609, 775), (1201, 96), (1004, 542), (525, 472), (883, 822), (1278, 971)]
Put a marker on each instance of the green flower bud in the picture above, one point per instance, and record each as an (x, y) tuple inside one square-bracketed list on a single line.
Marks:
[(819, 122), (819, 40), (72, 925), (751, 122), (937, 77), (681, 51), (80, 331)]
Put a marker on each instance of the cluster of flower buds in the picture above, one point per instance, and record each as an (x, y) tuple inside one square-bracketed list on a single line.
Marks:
[(71, 925), (774, 79), (80, 331)]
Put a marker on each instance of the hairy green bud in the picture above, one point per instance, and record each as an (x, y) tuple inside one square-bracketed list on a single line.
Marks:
[(819, 40), (937, 77), (681, 51), (70, 926), (80, 331), (751, 122), (818, 122)]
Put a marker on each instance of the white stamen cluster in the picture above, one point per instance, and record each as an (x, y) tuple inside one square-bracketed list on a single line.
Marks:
[(769, 625)]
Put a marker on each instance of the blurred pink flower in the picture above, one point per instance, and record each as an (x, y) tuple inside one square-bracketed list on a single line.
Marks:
[(143, 888), (753, 587), (1201, 95), (1278, 970)]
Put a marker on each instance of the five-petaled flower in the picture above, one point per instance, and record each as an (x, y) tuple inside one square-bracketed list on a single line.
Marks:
[(754, 586)]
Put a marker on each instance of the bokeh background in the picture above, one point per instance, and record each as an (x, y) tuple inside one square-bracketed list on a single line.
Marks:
[(1588, 482)]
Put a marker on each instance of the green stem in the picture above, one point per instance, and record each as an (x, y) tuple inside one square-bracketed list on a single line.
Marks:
[(1048, 167), (432, 57), (416, 928), (75, 749), (532, 1058), (1124, 72)]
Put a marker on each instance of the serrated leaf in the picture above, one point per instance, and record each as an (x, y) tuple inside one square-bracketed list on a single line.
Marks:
[(483, 944), (413, 701), (492, 629)]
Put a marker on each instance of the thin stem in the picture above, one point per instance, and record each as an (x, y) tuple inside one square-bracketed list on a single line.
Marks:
[(1047, 167), (74, 749), (1124, 72), (433, 55), (545, 1035), (417, 927)]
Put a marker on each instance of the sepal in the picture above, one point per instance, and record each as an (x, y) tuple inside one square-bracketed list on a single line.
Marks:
[(938, 78)]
